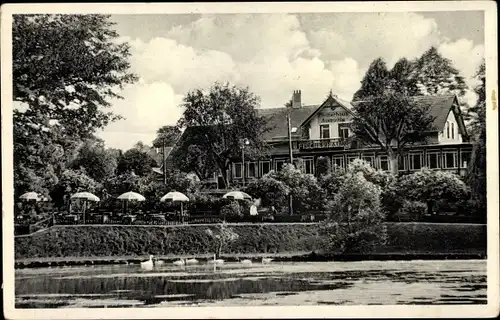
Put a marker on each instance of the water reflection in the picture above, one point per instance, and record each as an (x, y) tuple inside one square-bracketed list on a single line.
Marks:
[(420, 282)]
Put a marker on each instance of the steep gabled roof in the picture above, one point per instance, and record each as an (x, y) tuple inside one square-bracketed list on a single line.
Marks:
[(439, 107), (277, 120)]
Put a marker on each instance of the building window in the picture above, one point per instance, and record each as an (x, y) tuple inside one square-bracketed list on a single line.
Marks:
[(465, 157), (351, 158), (279, 164), (447, 129), (370, 160), (343, 131), (433, 160), (251, 169), (338, 163), (309, 165), (384, 163), (402, 165), (324, 131), (452, 130), (238, 171), (415, 161), (265, 167), (449, 159)]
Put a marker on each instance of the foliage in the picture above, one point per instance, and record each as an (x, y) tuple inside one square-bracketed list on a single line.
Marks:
[(232, 209), (219, 117), (401, 77), (167, 136), (392, 121), (430, 186), (435, 74), (70, 182), (356, 218), (323, 166), (271, 191), (221, 236), (99, 163), (411, 211), (476, 177), (304, 189), (374, 82), (136, 161), (189, 156), (65, 70)]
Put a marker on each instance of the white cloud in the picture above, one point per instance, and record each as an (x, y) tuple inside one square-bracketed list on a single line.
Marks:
[(273, 54)]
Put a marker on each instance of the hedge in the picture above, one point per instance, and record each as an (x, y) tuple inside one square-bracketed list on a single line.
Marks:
[(98, 241)]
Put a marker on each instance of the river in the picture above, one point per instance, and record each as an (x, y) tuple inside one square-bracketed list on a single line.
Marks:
[(233, 284)]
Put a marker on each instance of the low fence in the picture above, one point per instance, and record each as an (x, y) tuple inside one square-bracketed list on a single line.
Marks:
[(24, 229)]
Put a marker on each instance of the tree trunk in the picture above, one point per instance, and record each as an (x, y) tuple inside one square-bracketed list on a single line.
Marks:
[(394, 161)]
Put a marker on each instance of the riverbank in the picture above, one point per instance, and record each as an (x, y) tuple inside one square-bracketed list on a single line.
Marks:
[(90, 244)]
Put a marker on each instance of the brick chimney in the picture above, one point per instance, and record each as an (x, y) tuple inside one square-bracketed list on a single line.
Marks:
[(296, 99)]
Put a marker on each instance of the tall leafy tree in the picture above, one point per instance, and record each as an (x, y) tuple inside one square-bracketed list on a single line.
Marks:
[(477, 168), (391, 121), (401, 77), (166, 136), (135, 161), (375, 80), (223, 115), (435, 74), (65, 70), (99, 163)]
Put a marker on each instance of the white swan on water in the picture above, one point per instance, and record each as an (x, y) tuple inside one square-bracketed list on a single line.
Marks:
[(192, 261), (246, 261), (266, 260), (148, 264), (180, 262), (217, 261)]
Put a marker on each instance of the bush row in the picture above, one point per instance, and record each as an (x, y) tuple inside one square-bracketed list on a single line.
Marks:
[(94, 241)]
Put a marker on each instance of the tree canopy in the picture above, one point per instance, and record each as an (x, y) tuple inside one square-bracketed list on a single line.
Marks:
[(66, 68), (221, 117)]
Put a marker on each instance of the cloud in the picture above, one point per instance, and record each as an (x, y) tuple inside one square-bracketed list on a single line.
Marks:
[(272, 54)]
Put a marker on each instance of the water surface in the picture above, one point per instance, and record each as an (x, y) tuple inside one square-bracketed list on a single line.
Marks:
[(301, 283)]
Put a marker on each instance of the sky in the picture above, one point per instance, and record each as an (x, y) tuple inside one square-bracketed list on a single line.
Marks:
[(273, 54)]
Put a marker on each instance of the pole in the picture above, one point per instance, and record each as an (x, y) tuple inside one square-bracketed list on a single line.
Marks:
[(243, 161), (290, 199), (164, 165)]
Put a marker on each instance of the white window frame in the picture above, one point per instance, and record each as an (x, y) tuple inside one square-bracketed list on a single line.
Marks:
[(455, 159), (321, 130), (411, 162), (311, 160), (351, 157), (241, 170), (372, 159), (383, 156), (342, 161), (276, 163), (247, 169), (404, 157), (462, 152), (344, 126), (261, 169), (438, 159)]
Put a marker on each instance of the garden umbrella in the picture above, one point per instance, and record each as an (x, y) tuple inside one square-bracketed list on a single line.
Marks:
[(131, 196), (175, 196), (30, 196), (86, 196), (237, 195)]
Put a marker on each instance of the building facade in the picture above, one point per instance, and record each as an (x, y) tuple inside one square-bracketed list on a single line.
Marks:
[(324, 131)]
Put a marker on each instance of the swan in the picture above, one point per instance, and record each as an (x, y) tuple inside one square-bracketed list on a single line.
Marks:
[(246, 261), (217, 261), (159, 262), (192, 261), (266, 260), (148, 264), (180, 262)]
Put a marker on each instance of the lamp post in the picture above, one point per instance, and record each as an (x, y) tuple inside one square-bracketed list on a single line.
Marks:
[(243, 143), (290, 131)]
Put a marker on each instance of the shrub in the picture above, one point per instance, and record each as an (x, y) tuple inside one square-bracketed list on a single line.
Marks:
[(271, 191), (356, 219), (231, 210), (411, 211), (323, 166), (431, 186)]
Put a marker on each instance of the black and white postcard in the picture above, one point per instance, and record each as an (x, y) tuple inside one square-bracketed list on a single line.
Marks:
[(250, 160)]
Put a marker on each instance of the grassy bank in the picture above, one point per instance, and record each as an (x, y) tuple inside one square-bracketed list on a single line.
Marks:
[(103, 241)]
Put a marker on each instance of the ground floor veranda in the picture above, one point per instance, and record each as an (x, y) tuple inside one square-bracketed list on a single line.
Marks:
[(455, 158)]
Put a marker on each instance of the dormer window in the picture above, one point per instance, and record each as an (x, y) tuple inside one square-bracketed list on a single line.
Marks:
[(452, 130), (447, 129), (324, 131)]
